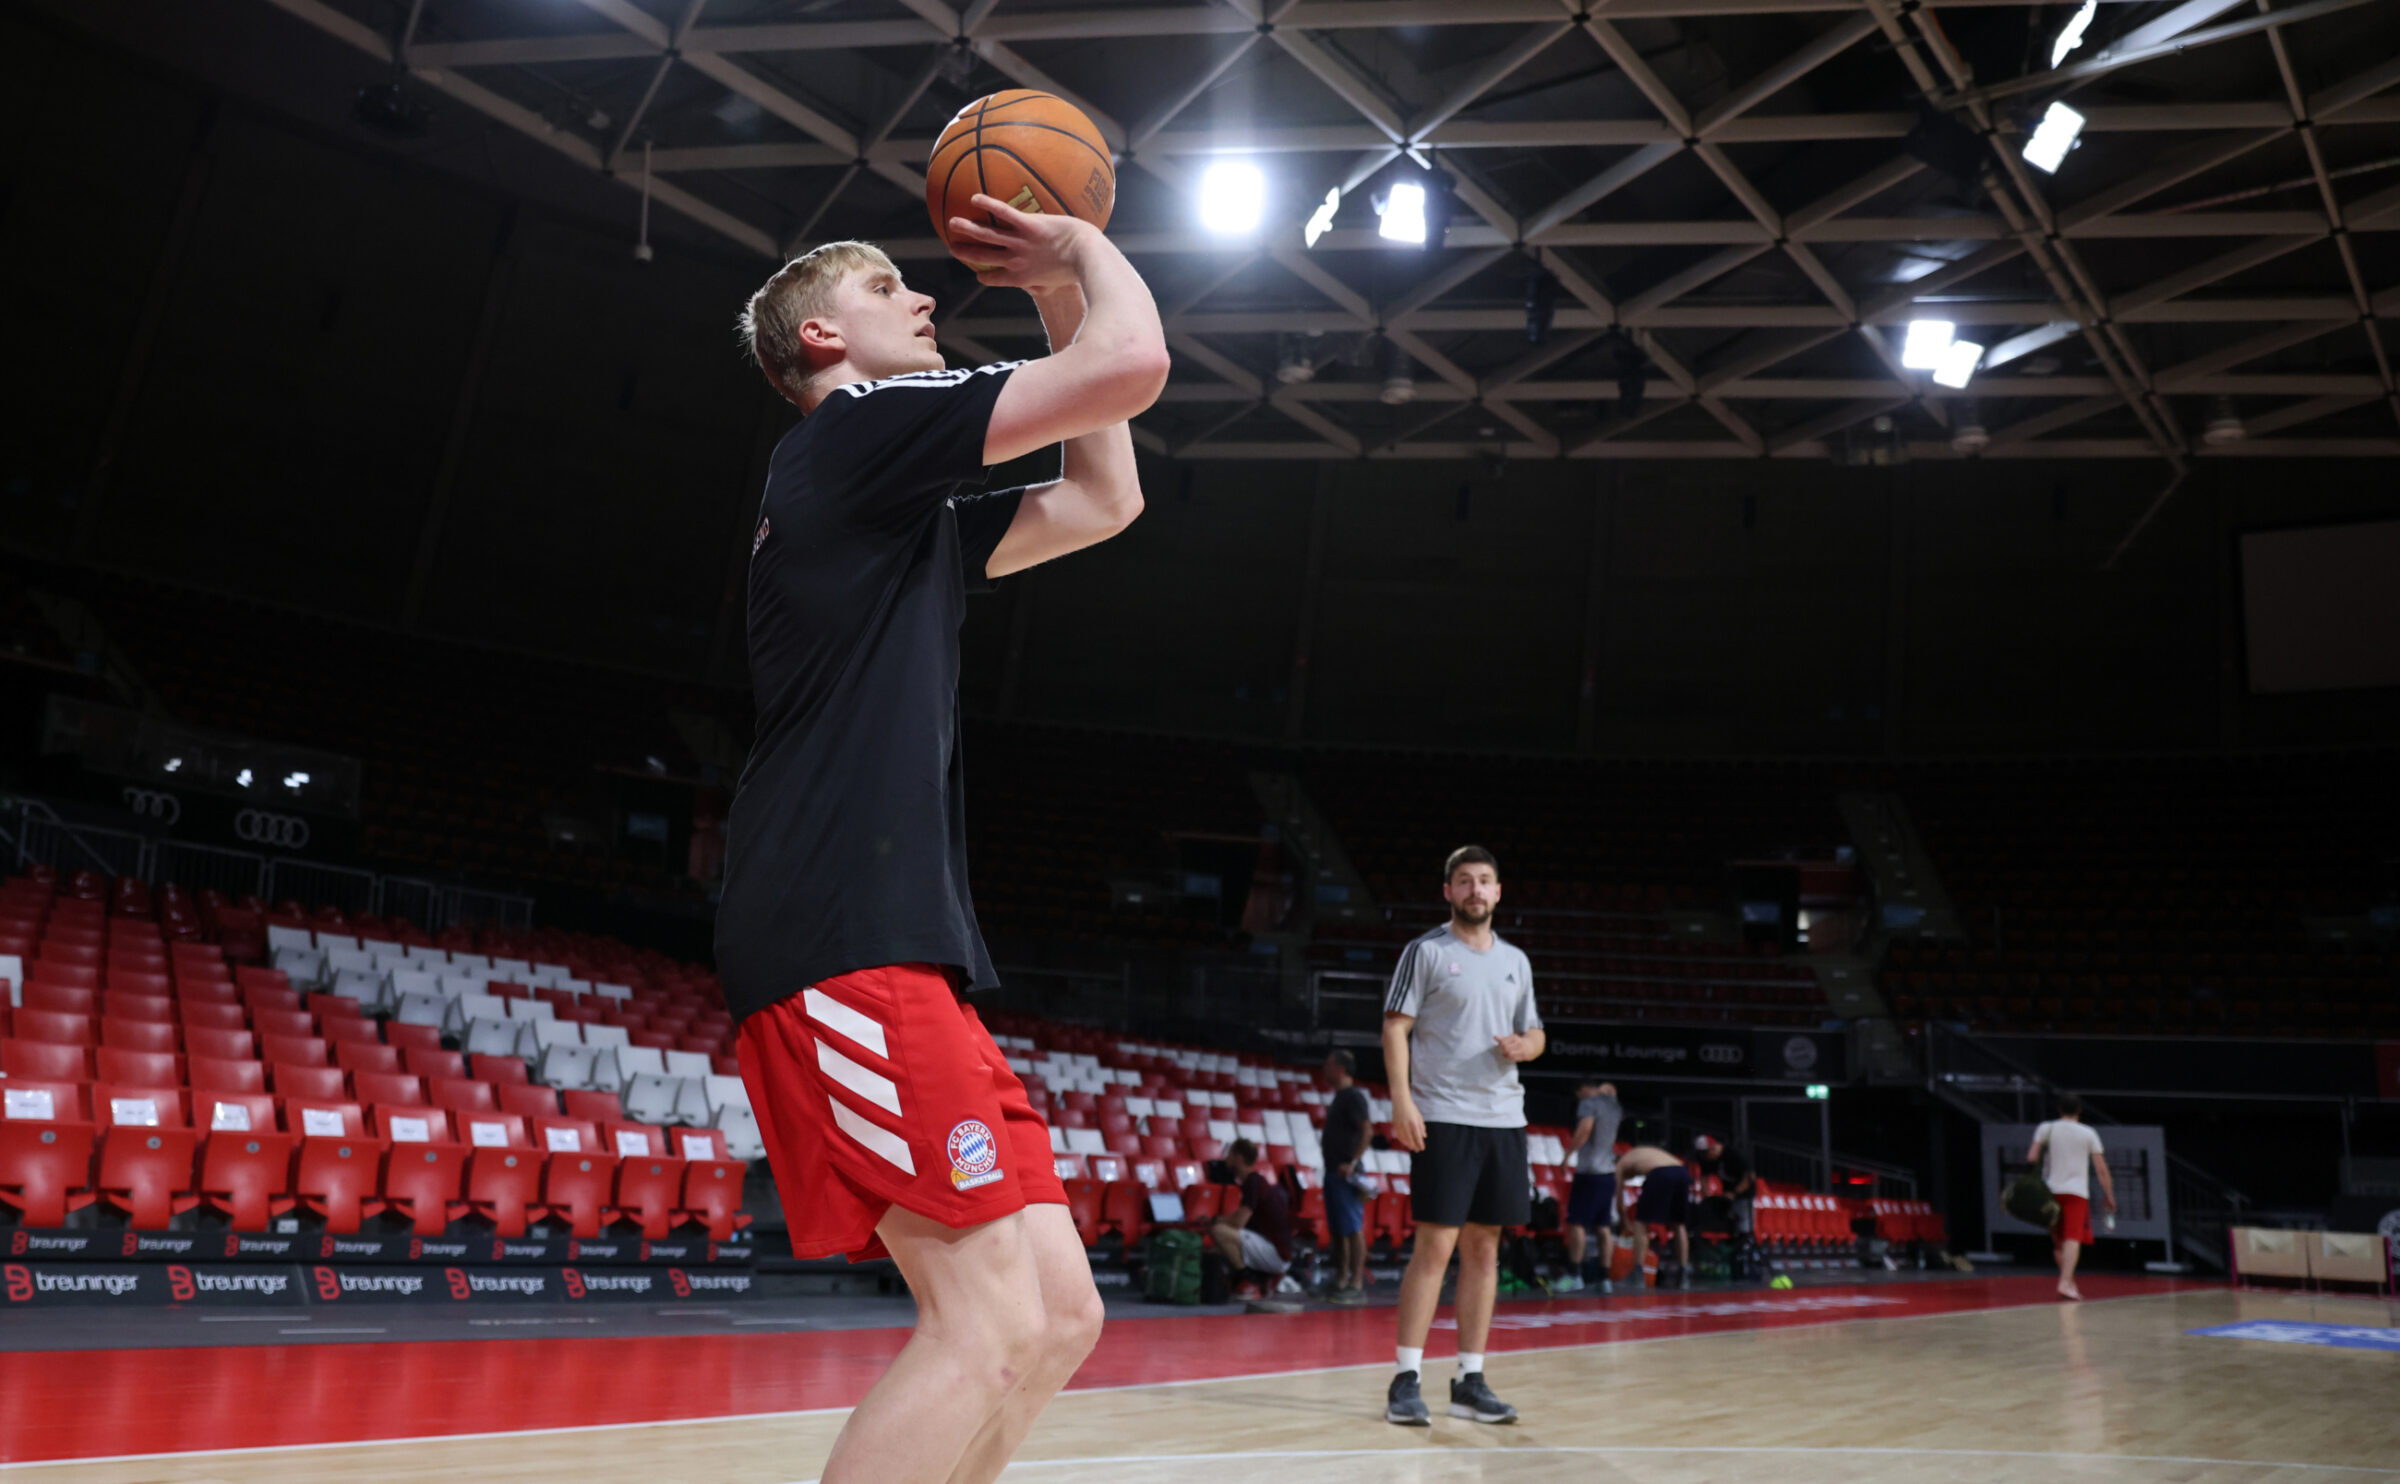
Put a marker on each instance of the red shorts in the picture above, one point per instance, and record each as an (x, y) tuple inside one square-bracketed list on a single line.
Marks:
[(2074, 1219), (879, 1088)]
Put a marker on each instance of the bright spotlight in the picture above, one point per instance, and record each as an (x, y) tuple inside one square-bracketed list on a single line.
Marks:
[(1321, 221), (1927, 339), (1957, 363), (1233, 196), (2070, 36), (295, 780), (2052, 138), (1403, 213), (242, 778)]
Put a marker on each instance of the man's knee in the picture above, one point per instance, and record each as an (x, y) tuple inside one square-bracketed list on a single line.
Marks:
[(1478, 1241), (1434, 1243), (1073, 1324)]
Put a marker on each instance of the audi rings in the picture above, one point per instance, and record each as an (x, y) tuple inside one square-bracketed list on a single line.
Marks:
[(257, 827), (150, 803)]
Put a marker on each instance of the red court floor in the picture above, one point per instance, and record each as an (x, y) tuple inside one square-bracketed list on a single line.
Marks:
[(100, 1403)]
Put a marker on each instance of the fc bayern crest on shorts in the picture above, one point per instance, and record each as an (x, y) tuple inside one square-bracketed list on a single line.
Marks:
[(974, 1155)]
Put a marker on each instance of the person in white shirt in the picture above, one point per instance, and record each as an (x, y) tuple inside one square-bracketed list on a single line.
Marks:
[(2068, 1152)]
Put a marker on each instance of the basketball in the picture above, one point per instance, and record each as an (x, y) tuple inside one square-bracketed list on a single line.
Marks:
[(1031, 149)]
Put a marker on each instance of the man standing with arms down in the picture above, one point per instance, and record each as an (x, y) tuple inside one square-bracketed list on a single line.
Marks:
[(2068, 1151), (1344, 1142), (1592, 1198), (1459, 1018), (847, 934)]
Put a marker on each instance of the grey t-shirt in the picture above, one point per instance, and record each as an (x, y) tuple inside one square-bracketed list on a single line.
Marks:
[(1463, 1000), (1598, 1156)]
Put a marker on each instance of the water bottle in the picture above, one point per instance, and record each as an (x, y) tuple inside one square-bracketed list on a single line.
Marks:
[(2108, 1221)]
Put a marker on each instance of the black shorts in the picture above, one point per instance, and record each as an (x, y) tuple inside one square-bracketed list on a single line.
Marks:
[(1666, 1198), (1591, 1201), (1470, 1175)]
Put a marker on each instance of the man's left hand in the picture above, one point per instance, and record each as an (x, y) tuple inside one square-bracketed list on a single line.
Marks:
[(1516, 1048)]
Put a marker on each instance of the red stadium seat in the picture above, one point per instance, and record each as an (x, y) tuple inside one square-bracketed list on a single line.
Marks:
[(339, 1176), (140, 1035), (424, 1178), (418, 1038), (46, 1164), (58, 1027), (229, 1044), (139, 1068), (246, 1160), (1125, 1210), (431, 1061), (504, 1172), (65, 999), (366, 1056), (462, 1094), (593, 1104), (146, 1151), (649, 1189), (218, 1074), (139, 1008), (213, 996), (527, 1100), (1162, 1146), (712, 1182), (291, 1051), (500, 1071), (578, 1174), (350, 1030), (44, 1061), (392, 1088), (1084, 1201), (307, 1082)]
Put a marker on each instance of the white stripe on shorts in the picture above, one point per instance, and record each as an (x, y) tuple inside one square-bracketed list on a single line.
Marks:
[(827, 1011), (882, 1140), (873, 1086)]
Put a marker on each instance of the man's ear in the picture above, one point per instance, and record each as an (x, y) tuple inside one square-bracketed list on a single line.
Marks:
[(822, 340)]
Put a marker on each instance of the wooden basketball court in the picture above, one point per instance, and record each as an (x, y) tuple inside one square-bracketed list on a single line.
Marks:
[(1970, 1381)]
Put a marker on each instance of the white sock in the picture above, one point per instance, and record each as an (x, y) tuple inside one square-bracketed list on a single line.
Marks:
[(1412, 1360), (1468, 1365)]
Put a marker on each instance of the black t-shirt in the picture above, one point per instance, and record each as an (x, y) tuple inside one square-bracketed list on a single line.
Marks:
[(846, 845), (1345, 1126), (1731, 1170), (1270, 1213)]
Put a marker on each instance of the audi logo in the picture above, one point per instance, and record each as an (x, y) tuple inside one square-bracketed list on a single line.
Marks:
[(149, 803), (261, 828), (1721, 1055)]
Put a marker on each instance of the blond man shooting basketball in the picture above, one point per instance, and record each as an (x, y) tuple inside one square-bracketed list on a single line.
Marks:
[(847, 935)]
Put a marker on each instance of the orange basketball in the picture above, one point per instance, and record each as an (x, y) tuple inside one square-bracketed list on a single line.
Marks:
[(1031, 149)]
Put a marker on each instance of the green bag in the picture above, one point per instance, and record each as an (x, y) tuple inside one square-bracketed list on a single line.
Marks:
[(1172, 1268), (2030, 1201)]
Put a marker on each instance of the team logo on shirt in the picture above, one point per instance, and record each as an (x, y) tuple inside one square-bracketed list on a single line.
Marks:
[(760, 539), (1450, 967), (974, 1155)]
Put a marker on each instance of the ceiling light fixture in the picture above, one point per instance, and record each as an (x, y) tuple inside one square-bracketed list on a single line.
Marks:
[(1321, 220), (1927, 340), (2052, 138), (2070, 36), (1956, 365), (1233, 198)]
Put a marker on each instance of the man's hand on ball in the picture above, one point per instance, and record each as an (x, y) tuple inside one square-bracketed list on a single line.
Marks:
[(1019, 249)]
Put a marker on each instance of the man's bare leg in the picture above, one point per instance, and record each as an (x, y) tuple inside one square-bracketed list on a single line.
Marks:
[(981, 1332), (1478, 1284), (1575, 1236), (2068, 1253), (1421, 1285), (1353, 1261), (1073, 1309)]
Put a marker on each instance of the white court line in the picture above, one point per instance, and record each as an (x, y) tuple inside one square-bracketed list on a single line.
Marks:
[(1371, 1365), (253, 1318), (332, 1331), (1482, 1456)]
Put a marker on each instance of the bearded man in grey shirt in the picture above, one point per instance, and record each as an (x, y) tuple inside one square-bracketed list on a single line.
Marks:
[(1459, 1018)]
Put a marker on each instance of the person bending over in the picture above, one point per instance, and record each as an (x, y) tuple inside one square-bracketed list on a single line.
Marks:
[(847, 935), (1255, 1236), (1666, 1201)]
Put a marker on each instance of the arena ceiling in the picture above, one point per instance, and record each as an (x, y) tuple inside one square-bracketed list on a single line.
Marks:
[(1739, 204)]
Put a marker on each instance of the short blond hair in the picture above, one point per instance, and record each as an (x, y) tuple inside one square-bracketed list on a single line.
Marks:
[(801, 290)]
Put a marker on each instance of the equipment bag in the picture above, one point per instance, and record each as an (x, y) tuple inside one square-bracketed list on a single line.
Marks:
[(2030, 1201), (1172, 1273)]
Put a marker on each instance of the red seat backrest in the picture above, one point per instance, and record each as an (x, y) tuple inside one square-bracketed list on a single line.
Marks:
[(432, 1062), (115, 1104), (302, 1111), (63, 1028), (528, 1100), (486, 1130), (417, 1124), (292, 1051), (140, 1068), (553, 1134), (463, 1093), (226, 1074), (23, 1097), (45, 1061), (396, 1089), (306, 1082)]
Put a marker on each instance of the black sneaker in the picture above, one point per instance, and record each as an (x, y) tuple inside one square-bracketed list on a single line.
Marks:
[(1471, 1396), (1405, 1405)]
